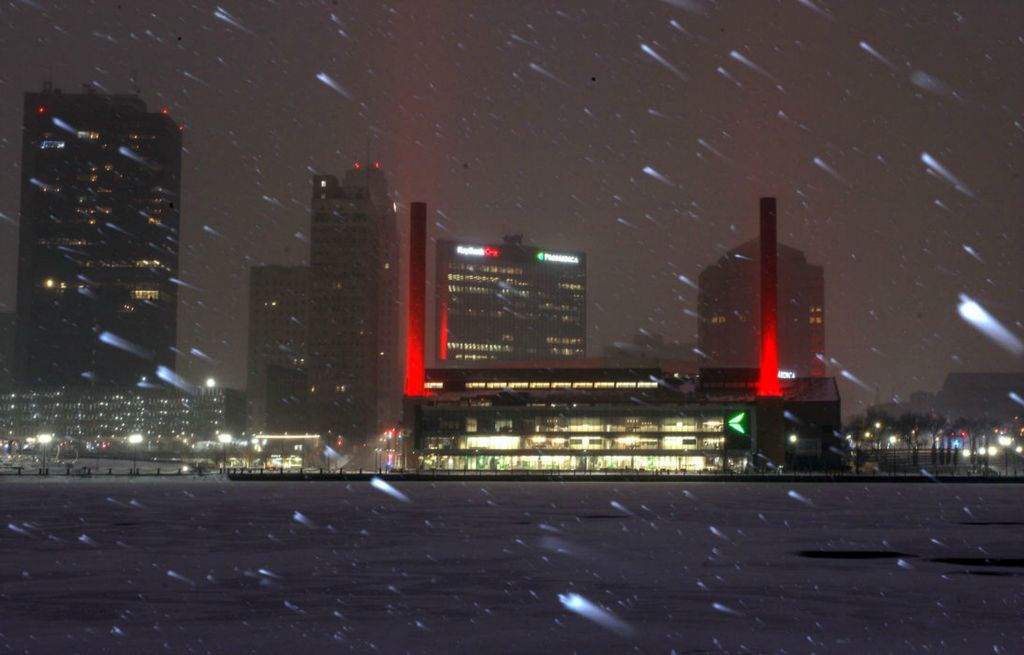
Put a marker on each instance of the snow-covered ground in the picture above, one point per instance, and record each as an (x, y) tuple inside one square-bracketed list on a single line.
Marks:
[(219, 567)]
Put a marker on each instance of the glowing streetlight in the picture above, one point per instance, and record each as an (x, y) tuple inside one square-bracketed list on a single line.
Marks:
[(210, 383), (44, 439), (135, 440), (1005, 440), (792, 438)]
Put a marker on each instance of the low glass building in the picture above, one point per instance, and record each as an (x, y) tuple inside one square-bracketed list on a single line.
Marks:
[(580, 419)]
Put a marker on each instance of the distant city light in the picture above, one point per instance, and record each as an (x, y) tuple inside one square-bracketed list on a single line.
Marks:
[(44, 438), (224, 438), (210, 383), (135, 439)]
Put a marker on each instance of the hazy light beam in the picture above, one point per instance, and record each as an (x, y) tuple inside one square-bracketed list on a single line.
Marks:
[(664, 62), (326, 79), (981, 320), (381, 485), (933, 164), (590, 611)]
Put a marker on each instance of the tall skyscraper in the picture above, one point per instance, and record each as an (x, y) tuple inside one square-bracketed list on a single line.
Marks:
[(354, 364), (729, 322), (98, 241), (8, 321), (277, 379), (510, 302)]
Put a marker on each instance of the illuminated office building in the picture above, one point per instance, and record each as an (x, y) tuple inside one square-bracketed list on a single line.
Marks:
[(98, 240), (89, 413), (509, 302), (564, 417)]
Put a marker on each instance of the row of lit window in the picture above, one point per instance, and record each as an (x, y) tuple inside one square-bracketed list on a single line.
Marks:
[(603, 384), (628, 442), (487, 347)]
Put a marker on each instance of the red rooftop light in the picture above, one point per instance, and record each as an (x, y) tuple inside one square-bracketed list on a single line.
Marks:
[(357, 166), (164, 111), (376, 164), (41, 109)]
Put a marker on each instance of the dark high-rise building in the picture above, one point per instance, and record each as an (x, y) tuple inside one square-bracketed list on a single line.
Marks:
[(729, 321), (8, 321), (98, 242), (353, 357), (510, 302), (277, 379)]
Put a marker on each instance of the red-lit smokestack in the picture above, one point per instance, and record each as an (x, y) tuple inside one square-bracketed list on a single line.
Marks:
[(768, 384), (416, 338)]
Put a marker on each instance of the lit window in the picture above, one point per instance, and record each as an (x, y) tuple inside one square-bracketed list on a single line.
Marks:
[(145, 294)]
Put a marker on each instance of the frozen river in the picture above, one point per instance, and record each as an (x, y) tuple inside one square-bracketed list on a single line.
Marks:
[(208, 566)]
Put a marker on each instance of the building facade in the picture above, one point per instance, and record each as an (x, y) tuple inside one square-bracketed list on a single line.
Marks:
[(278, 319), (98, 240), (91, 413), (509, 302), (8, 323), (729, 322), (353, 357), (591, 419)]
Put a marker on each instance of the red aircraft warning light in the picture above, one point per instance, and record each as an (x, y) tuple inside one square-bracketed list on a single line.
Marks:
[(376, 164), (41, 109), (357, 166)]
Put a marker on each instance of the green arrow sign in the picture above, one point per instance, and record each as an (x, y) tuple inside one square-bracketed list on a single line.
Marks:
[(738, 422)]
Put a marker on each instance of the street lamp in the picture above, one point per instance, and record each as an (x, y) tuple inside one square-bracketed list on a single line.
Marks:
[(210, 383), (135, 440), (224, 438), (44, 439)]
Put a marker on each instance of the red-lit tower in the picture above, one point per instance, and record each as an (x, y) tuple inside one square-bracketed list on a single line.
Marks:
[(770, 409), (768, 383), (416, 338)]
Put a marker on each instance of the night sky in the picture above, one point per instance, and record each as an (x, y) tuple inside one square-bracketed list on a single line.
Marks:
[(642, 133)]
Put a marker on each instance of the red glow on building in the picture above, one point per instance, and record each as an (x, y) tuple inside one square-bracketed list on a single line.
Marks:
[(165, 111), (357, 166), (376, 164), (768, 383), (491, 252), (415, 371), (40, 109)]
